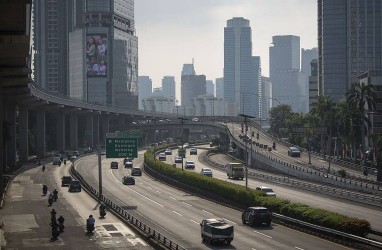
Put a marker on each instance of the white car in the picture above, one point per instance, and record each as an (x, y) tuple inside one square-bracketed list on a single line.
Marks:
[(206, 172), (267, 190), (190, 165)]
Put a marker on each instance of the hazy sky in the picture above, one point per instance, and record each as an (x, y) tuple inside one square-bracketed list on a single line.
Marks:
[(172, 32)]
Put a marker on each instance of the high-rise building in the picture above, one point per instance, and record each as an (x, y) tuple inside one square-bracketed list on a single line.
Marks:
[(192, 86), (168, 87), (288, 85), (313, 83), (50, 38), (256, 81), (266, 97), (188, 70), (103, 55), (349, 43), (158, 92), (240, 94), (219, 87), (210, 87), (307, 55), (145, 86)]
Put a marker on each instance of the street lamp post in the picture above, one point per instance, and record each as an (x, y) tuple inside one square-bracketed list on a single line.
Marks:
[(181, 136), (246, 117)]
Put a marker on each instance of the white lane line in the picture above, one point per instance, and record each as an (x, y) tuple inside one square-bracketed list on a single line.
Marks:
[(270, 237), (207, 212), (187, 204), (138, 193), (177, 213), (159, 192), (172, 198), (149, 187), (299, 248), (230, 221), (194, 221), (253, 248)]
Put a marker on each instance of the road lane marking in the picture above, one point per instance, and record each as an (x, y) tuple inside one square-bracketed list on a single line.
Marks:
[(194, 221), (299, 248), (207, 212), (149, 187), (159, 192), (177, 213), (187, 204), (270, 237), (229, 221), (172, 198)]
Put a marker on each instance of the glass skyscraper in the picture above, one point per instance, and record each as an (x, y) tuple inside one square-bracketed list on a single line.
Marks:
[(349, 43), (240, 95)]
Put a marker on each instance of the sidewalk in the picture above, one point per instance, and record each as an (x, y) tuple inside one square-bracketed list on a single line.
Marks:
[(25, 216)]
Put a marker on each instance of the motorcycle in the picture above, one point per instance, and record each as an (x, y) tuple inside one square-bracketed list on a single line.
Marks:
[(55, 195), (50, 200), (274, 146), (44, 190), (90, 228), (102, 212), (61, 227)]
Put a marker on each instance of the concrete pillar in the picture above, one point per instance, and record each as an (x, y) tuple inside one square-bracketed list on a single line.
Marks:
[(23, 133), (89, 131), (96, 130), (11, 143), (186, 134), (2, 160), (40, 135), (60, 131), (73, 120)]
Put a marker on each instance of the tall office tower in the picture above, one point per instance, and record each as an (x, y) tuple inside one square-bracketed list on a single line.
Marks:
[(192, 86), (210, 87), (168, 87), (256, 81), (284, 70), (313, 83), (158, 92), (307, 55), (219, 87), (188, 70), (103, 55), (50, 37), (349, 43), (240, 94), (266, 97), (145, 86)]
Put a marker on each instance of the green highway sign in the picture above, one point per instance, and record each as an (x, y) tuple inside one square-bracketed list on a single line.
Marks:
[(121, 147)]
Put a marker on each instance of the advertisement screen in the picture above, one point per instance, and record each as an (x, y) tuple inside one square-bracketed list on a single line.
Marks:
[(96, 55)]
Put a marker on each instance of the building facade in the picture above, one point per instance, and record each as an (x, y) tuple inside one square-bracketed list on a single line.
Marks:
[(266, 97), (313, 84), (208, 105), (210, 87), (220, 87), (103, 56), (158, 104), (239, 90), (288, 86), (145, 86), (168, 87), (50, 38), (192, 86), (349, 43)]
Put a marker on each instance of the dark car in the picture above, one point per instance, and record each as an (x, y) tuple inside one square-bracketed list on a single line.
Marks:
[(193, 151), (168, 151), (75, 186), (136, 171), (114, 165), (162, 157), (66, 180), (128, 180), (88, 150), (294, 152), (178, 159), (256, 216)]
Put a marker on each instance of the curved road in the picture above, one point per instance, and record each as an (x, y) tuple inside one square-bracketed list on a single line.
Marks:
[(178, 214)]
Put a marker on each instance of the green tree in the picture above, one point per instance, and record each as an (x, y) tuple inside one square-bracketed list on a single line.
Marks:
[(278, 116)]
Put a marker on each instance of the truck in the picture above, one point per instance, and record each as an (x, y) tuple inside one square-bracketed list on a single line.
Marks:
[(216, 230), (235, 170)]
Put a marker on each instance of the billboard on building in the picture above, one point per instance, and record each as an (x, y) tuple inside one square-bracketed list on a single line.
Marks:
[(96, 55)]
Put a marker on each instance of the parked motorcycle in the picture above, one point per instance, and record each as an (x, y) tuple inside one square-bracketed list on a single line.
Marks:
[(102, 212)]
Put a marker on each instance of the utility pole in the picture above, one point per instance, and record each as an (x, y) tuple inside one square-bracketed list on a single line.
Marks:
[(181, 137), (246, 117)]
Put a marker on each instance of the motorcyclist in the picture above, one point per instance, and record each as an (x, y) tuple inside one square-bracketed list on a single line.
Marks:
[(102, 210), (64, 161), (55, 194), (90, 223), (43, 168), (274, 145), (53, 215), (50, 200), (44, 189), (61, 223), (55, 232)]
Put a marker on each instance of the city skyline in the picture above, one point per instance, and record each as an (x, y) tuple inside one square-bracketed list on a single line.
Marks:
[(198, 32)]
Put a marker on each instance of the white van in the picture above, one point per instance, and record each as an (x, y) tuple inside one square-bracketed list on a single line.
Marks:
[(235, 170)]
